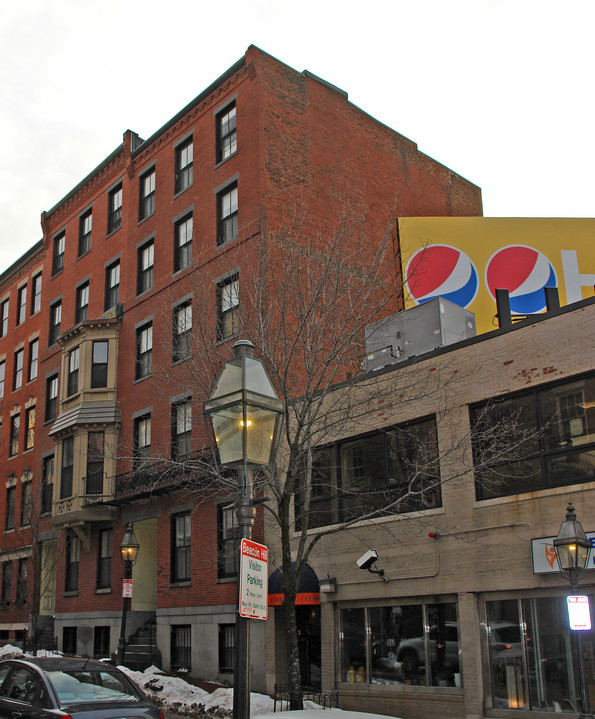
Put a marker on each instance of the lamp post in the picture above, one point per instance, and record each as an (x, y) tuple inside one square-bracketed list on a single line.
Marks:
[(572, 550), (129, 547), (245, 414)]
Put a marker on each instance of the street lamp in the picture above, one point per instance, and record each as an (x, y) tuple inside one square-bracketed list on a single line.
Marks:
[(245, 414), (129, 547), (572, 549)]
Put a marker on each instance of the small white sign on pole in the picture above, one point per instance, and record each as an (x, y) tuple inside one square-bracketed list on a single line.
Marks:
[(127, 588), (254, 587), (579, 615)]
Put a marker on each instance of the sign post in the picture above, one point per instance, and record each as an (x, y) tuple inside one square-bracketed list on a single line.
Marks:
[(253, 593), (127, 588)]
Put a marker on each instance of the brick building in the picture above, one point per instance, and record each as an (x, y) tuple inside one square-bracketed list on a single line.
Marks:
[(494, 435), (121, 257)]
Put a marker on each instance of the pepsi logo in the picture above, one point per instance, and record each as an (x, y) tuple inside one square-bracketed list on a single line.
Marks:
[(524, 272), (442, 271)]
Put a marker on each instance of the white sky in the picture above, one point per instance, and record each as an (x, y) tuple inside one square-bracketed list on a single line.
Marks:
[(501, 91)]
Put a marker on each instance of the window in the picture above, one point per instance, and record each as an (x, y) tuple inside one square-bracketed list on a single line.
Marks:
[(228, 308), (85, 225), (82, 303), (180, 647), (11, 501), (384, 473), (29, 427), (22, 573), (104, 559), (4, 310), (181, 430), (227, 207), (147, 195), (389, 645), (33, 360), (101, 642), (182, 335), (58, 256), (183, 243), (6, 582), (183, 178), (114, 209), (142, 440), (15, 428), (145, 268), (228, 548), (18, 368), (73, 371), (112, 284), (180, 547), (26, 499), (22, 305), (99, 363), (144, 350), (47, 484), (2, 377), (95, 455), (55, 320), (535, 440), (227, 143), (69, 640), (73, 553), (51, 397), (36, 294), (227, 648), (67, 467)]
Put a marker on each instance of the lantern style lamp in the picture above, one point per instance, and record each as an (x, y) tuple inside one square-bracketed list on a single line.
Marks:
[(129, 547), (572, 546)]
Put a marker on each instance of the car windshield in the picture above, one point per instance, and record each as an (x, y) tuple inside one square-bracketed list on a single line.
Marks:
[(92, 686)]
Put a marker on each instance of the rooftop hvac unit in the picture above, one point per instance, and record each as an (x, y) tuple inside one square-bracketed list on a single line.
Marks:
[(420, 329)]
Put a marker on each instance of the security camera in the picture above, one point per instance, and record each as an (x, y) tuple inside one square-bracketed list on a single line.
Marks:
[(367, 560)]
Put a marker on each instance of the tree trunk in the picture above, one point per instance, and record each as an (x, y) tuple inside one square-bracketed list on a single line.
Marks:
[(296, 700)]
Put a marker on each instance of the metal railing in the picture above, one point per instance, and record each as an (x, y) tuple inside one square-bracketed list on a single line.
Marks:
[(326, 699)]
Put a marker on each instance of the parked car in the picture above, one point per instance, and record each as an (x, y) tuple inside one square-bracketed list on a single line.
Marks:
[(411, 653), (45, 687)]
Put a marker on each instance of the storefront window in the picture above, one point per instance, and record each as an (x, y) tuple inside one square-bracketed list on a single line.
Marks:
[(535, 669), (401, 645)]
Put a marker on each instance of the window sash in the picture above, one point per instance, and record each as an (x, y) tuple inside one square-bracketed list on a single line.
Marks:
[(36, 294), (112, 285), (114, 221), (18, 368), (99, 364), (30, 427), (33, 359), (22, 305), (85, 225), (184, 158)]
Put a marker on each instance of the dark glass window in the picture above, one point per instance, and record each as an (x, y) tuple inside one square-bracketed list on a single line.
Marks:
[(112, 285), (183, 178), (145, 268), (181, 636), (104, 559), (30, 427), (227, 143), (6, 582), (55, 320), (26, 499), (4, 310), (85, 225), (22, 573), (69, 640), (99, 363), (144, 350), (47, 488), (183, 243), (2, 377), (36, 294), (11, 501), (228, 548), (15, 427), (227, 648), (147, 195), (51, 397), (22, 304), (535, 440), (180, 544), (181, 430), (182, 332), (227, 213), (101, 642), (95, 458), (33, 359), (228, 308), (66, 474), (82, 303), (73, 371), (382, 473), (73, 553), (58, 256), (114, 209), (142, 440), (19, 358)]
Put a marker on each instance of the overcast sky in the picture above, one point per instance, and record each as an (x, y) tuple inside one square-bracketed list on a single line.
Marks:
[(501, 91)]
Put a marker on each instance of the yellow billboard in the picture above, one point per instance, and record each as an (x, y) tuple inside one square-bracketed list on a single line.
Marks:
[(465, 259)]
